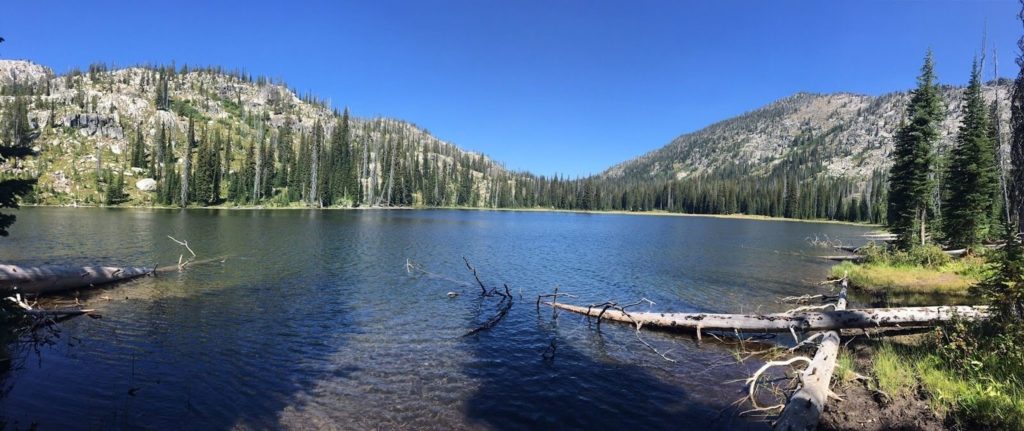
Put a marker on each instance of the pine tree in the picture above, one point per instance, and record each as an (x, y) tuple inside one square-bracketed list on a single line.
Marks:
[(792, 200), (315, 177), (163, 97), (910, 182), (15, 143), (115, 190), (139, 150), (972, 179), (1015, 183), (186, 168)]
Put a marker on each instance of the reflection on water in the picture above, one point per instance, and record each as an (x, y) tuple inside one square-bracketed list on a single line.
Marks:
[(313, 322)]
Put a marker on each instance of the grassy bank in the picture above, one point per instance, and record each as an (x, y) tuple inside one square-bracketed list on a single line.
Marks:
[(990, 395), (950, 279), (925, 270)]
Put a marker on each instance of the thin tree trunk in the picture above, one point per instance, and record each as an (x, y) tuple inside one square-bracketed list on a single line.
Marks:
[(924, 215)]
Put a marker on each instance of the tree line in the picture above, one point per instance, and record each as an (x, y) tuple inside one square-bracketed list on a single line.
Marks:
[(958, 199)]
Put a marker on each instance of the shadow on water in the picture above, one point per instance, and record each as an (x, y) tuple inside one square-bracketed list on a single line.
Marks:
[(314, 321), (214, 347), (587, 384)]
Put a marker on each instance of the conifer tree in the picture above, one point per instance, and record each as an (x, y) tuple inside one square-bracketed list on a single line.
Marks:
[(186, 167), (910, 183), (115, 189), (139, 150), (1015, 184), (15, 143), (972, 179)]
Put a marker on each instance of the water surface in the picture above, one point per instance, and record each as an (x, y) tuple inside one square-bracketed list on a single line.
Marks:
[(314, 321)]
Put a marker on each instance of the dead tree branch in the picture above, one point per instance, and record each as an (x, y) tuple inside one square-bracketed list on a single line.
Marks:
[(182, 263)]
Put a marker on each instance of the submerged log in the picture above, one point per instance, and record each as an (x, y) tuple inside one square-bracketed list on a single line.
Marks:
[(785, 322), (38, 280), (65, 312), (841, 258), (805, 406)]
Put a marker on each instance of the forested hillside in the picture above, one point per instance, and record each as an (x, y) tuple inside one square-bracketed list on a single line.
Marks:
[(805, 156), (200, 136), (181, 136)]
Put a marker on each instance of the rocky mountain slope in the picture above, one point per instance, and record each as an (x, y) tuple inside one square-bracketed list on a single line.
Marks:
[(100, 128), (89, 121), (846, 135)]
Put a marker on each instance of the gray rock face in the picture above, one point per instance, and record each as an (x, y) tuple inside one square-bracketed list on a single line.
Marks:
[(850, 136), (146, 184), (105, 126), (22, 71)]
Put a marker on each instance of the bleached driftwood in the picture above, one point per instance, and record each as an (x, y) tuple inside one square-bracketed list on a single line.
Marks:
[(805, 406), (785, 322), (845, 257), (37, 280)]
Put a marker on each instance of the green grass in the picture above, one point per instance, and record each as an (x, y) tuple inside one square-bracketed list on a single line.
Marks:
[(986, 400), (845, 373), (233, 108), (185, 109), (953, 278)]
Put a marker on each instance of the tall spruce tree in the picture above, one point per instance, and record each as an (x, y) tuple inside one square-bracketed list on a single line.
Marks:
[(910, 179), (972, 179)]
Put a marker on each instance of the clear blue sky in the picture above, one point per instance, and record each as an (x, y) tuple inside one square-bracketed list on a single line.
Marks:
[(565, 86)]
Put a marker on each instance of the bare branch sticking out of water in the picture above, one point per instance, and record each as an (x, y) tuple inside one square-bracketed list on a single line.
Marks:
[(181, 262), (415, 268), (483, 289), (554, 299), (638, 325), (504, 305)]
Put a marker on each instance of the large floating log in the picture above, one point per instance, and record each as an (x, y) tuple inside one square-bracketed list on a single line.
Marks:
[(805, 406), (784, 322), (38, 280)]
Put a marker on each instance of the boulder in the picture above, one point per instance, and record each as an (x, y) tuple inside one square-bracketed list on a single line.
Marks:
[(146, 184)]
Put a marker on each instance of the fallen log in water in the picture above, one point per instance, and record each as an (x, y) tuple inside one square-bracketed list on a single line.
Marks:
[(845, 257), (65, 312), (786, 322), (804, 408), (37, 280)]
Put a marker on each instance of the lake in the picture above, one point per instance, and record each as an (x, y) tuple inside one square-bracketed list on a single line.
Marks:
[(315, 321)]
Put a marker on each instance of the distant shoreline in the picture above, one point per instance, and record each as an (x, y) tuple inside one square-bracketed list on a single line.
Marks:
[(738, 216)]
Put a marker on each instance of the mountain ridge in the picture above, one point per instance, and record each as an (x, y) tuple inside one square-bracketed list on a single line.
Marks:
[(834, 145)]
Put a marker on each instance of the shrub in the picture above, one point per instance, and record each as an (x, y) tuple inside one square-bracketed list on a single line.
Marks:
[(928, 256)]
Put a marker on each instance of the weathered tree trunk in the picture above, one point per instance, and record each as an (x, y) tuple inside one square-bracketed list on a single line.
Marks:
[(805, 406), (49, 279), (784, 322)]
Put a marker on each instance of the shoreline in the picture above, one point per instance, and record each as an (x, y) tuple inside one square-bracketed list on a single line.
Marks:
[(738, 216)]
